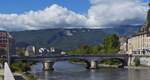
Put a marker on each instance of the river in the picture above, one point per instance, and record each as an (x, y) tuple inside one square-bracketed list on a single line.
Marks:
[(68, 71)]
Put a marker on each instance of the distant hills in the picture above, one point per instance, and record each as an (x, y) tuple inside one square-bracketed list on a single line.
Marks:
[(68, 38)]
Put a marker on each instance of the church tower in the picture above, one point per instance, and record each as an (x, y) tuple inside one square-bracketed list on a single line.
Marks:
[(146, 26)]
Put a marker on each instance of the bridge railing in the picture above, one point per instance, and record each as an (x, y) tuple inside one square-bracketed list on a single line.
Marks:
[(60, 56)]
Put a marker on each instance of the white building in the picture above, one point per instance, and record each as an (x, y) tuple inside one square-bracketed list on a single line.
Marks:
[(123, 44), (30, 51)]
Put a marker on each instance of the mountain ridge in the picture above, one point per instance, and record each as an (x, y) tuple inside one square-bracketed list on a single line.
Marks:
[(67, 39)]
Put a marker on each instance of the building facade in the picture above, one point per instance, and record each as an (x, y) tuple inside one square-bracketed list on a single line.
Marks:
[(139, 43), (7, 42), (3, 39)]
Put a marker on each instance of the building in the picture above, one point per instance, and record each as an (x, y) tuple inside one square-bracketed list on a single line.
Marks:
[(123, 44), (7, 42), (51, 51), (3, 40), (30, 51), (139, 43)]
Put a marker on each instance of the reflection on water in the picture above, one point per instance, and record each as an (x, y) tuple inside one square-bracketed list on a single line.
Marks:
[(143, 74), (68, 71)]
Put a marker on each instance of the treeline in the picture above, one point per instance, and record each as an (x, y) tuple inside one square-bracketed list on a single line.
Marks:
[(110, 45)]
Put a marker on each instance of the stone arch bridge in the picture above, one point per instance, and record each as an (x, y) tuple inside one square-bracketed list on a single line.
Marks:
[(90, 60)]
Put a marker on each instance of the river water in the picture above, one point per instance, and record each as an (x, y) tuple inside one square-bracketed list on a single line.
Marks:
[(68, 71)]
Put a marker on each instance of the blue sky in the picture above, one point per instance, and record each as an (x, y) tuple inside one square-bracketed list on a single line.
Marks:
[(16, 15), (145, 0), (21, 6)]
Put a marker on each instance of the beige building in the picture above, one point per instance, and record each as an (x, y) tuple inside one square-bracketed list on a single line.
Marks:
[(139, 43)]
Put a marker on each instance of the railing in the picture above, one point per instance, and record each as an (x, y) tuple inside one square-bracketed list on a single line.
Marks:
[(65, 56)]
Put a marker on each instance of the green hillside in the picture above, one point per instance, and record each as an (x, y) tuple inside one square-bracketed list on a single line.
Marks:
[(67, 38), (60, 38)]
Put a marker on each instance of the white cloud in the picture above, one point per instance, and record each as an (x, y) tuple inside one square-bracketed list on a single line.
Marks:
[(52, 17), (100, 14), (106, 12)]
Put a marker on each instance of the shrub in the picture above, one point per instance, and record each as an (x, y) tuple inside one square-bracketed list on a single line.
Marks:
[(20, 66)]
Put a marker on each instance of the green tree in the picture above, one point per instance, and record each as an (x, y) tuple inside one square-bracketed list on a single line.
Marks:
[(20, 51), (2, 52), (111, 43), (20, 66), (98, 49), (85, 49)]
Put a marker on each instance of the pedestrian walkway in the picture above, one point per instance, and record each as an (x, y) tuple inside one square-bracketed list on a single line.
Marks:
[(7, 73), (1, 74)]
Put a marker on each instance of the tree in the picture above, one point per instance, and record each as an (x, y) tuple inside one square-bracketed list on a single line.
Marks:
[(98, 49), (20, 51), (111, 43), (20, 66), (85, 49), (2, 52)]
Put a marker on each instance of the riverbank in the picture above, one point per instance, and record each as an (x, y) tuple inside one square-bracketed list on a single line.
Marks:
[(137, 67), (99, 65), (115, 66), (108, 66), (126, 67), (24, 76)]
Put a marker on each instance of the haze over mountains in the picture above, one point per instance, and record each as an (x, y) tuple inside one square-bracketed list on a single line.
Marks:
[(68, 38)]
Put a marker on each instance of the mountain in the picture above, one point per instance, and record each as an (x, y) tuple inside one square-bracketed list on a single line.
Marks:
[(68, 38), (60, 38), (121, 30)]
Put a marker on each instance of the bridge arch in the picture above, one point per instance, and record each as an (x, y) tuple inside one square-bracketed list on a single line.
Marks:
[(49, 65), (123, 62), (91, 63), (74, 60)]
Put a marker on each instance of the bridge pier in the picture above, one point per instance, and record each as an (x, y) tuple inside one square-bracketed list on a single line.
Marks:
[(131, 61), (48, 66), (92, 65)]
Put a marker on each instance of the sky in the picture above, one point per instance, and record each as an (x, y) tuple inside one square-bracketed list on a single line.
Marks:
[(21, 6), (18, 15)]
